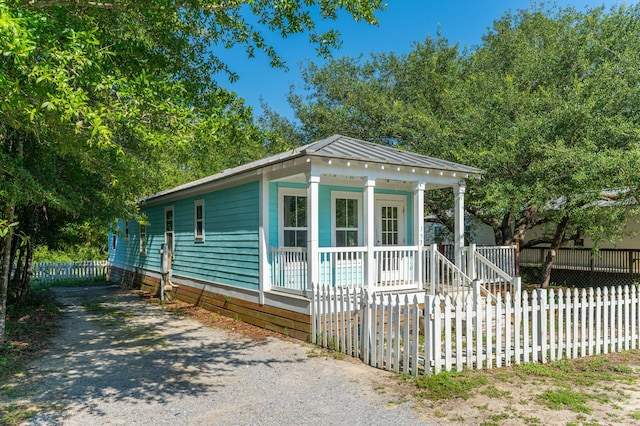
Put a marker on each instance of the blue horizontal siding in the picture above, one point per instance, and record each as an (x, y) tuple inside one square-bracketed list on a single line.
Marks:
[(230, 251)]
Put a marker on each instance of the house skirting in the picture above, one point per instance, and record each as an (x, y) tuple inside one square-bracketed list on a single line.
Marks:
[(282, 313)]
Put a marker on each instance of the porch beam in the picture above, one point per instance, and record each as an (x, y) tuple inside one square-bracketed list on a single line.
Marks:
[(369, 231), (458, 238), (418, 228), (313, 273), (372, 171)]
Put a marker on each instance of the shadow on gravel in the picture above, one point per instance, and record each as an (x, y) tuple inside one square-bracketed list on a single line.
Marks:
[(115, 347)]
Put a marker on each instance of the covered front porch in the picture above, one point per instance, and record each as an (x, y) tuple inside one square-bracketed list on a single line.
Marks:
[(398, 268), (344, 212)]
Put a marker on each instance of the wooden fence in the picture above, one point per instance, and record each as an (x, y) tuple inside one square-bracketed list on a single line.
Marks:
[(404, 334), (50, 272), (573, 266)]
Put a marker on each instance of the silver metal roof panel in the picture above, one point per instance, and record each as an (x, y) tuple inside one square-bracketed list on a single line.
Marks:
[(339, 147)]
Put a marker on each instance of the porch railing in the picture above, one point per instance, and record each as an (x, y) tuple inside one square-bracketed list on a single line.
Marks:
[(289, 267), (501, 256), (493, 267), (342, 266), (442, 276), (393, 268)]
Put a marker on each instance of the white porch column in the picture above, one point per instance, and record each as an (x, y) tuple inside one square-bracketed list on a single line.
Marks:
[(313, 272), (458, 238), (263, 225), (418, 229), (369, 231)]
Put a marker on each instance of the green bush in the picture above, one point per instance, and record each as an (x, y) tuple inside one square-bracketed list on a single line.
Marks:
[(75, 254)]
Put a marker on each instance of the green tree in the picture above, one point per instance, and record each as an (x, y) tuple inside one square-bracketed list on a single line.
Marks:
[(105, 102), (547, 105), (551, 110)]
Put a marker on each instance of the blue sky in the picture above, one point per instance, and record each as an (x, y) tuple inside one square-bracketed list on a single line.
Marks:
[(402, 23)]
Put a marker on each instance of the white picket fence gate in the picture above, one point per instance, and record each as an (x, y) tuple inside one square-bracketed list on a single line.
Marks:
[(51, 272), (418, 333)]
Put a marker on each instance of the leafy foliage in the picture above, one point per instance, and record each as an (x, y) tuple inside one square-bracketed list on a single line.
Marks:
[(106, 102), (546, 105)]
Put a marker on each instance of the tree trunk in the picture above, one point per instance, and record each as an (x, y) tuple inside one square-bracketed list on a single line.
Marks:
[(502, 233), (527, 220), (558, 238), (4, 280), (26, 274)]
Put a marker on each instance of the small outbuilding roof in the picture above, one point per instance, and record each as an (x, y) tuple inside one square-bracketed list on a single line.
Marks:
[(337, 147)]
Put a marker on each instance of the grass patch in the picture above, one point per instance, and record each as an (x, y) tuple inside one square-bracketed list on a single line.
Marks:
[(15, 414), (493, 392), (538, 370), (447, 385), (565, 398), (28, 330)]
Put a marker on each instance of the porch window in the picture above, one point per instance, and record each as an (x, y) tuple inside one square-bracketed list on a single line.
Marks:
[(295, 221), (346, 229), (345, 219), (199, 220)]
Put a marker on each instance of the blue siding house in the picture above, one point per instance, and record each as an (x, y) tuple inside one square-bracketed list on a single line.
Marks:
[(251, 242)]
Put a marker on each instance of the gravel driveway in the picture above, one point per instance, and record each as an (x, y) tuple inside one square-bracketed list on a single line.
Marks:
[(120, 360)]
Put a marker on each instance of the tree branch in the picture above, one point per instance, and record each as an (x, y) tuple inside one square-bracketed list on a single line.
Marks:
[(111, 6)]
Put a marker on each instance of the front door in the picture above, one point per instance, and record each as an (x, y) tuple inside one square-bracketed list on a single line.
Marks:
[(391, 230)]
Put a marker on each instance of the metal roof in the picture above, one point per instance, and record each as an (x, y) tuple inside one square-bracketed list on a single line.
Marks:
[(337, 147), (347, 148)]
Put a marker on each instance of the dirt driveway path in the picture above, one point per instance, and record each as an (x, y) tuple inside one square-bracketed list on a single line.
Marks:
[(119, 360)]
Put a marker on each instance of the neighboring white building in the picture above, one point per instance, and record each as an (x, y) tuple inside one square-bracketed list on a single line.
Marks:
[(476, 232)]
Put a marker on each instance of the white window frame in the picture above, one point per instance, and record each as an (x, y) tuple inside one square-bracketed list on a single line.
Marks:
[(173, 228), (294, 192), (335, 195), (198, 238), (143, 239)]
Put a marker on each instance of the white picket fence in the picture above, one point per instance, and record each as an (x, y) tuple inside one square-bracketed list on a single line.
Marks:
[(399, 332), (51, 272)]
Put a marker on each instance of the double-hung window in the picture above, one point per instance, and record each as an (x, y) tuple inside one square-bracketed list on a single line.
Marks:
[(346, 219), (198, 232), (294, 219)]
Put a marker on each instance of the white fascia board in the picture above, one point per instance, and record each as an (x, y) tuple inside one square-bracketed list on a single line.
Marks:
[(433, 178)]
